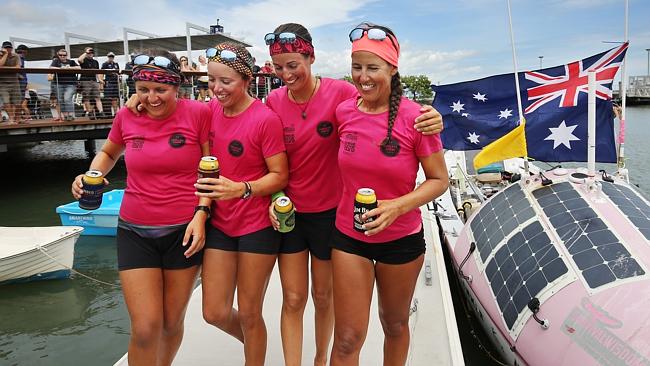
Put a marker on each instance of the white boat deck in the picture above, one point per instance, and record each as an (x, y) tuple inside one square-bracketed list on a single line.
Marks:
[(434, 334)]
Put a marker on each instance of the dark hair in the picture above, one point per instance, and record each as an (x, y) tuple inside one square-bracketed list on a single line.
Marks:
[(393, 107), (296, 29)]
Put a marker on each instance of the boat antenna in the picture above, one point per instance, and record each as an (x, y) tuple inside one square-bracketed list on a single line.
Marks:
[(622, 172), (514, 63)]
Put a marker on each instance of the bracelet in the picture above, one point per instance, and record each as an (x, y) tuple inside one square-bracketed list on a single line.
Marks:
[(205, 209), (248, 192)]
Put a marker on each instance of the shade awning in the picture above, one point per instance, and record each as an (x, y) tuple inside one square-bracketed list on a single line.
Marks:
[(173, 44)]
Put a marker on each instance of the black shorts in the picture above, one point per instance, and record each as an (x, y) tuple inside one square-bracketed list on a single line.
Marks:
[(110, 90), (166, 252), (400, 251), (313, 231), (202, 85), (264, 241)]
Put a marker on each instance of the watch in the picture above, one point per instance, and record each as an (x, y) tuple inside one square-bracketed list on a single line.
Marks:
[(205, 209), (248, 192)]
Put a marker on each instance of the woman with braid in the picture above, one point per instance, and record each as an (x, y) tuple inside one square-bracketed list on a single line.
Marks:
[(380, 149), (306, 107)]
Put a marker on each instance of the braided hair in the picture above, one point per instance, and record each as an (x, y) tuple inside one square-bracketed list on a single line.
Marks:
[(393, 108)]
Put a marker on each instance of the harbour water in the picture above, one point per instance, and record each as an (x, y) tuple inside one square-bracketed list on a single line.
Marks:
[(72, 321)]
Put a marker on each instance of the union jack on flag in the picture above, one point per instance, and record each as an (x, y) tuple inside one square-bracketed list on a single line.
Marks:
[(574, 81), (475, 113)]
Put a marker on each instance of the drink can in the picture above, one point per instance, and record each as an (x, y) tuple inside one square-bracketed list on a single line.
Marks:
[(93, 189), (364, 201), (208, 168), (286, 214)]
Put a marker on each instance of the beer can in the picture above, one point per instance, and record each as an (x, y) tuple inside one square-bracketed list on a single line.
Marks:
[(208, 168), (93, 189), (364, 201), (286, 214)]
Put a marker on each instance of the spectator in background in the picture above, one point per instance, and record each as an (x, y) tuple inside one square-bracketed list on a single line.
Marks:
[(129, 80), (276, 82), (202, 83), (263, 81), (89, 84), (9, 87), (111, 86), (64, 85), (185, 91), (21, 50)]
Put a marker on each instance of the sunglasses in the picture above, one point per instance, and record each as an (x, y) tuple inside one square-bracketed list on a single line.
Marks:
[(226, 55), (374, 32), (62, 55), (284, 37), (159, 61)]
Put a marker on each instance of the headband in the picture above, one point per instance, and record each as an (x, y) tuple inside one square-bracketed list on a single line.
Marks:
[(383, 48), (298, 46), (156, 74), (243, 64)]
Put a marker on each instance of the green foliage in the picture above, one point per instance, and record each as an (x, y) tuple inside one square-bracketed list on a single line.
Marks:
[(347, 78), (417, 87)]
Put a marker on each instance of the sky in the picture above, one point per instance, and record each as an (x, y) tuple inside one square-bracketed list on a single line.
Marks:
[(448, 41)]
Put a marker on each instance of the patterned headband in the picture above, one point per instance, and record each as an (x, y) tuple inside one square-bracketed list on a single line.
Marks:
[(156, 74), (298, 46), (243, 64)]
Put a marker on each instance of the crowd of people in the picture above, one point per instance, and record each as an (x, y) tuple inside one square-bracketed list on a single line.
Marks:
[(318, 139), (99, 93)]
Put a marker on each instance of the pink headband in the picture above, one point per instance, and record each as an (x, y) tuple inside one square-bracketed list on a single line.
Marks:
[(298, 46), (382, 48), (155, 74)]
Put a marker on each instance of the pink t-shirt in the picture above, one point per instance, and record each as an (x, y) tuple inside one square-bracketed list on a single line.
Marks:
[(363, 164), (241, 144), (162, 157), (312, 144)]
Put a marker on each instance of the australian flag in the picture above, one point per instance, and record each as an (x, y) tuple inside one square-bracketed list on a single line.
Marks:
[(554, 101)]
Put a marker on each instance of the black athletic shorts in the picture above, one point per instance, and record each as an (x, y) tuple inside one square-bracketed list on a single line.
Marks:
[(400, 251), (313, 231), (265, 241), (166, 252)]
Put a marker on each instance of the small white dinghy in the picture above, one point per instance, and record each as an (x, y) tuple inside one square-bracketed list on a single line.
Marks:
[(36, 253)]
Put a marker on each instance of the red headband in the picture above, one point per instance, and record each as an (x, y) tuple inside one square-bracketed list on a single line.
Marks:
[(383, 48), (298, 46), (155, 74)]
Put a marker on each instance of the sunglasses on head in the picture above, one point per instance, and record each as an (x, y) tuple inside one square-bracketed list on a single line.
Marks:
[(159, 61), (374, 32), (284, 37), (226, 55)]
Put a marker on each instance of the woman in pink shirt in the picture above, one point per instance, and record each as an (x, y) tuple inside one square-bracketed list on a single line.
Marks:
[(241, 245), (381, 150), (307, 109), (160, 233)]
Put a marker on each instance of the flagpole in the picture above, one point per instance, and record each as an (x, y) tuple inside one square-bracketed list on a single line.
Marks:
[(591, 123), (622, 172), (516, 68)]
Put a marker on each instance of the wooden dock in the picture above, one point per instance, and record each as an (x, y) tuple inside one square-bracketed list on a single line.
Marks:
[(49, 130), (434, 334)]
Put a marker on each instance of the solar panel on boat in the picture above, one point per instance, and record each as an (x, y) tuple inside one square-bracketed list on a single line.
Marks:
[(522, 268), (499, 217), (596, 251), (635, 208)]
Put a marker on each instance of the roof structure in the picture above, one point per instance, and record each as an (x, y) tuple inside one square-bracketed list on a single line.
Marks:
[(174, 44)]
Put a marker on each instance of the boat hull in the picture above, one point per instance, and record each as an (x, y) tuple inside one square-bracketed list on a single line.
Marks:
[(43, 253)]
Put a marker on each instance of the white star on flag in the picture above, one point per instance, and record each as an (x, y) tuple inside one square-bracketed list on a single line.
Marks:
[(562, 135), (473, 138), (480, 97), (465, 114), (457, 107), (505, 114)]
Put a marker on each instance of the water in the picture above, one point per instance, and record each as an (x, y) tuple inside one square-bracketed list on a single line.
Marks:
[(68, 322)]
